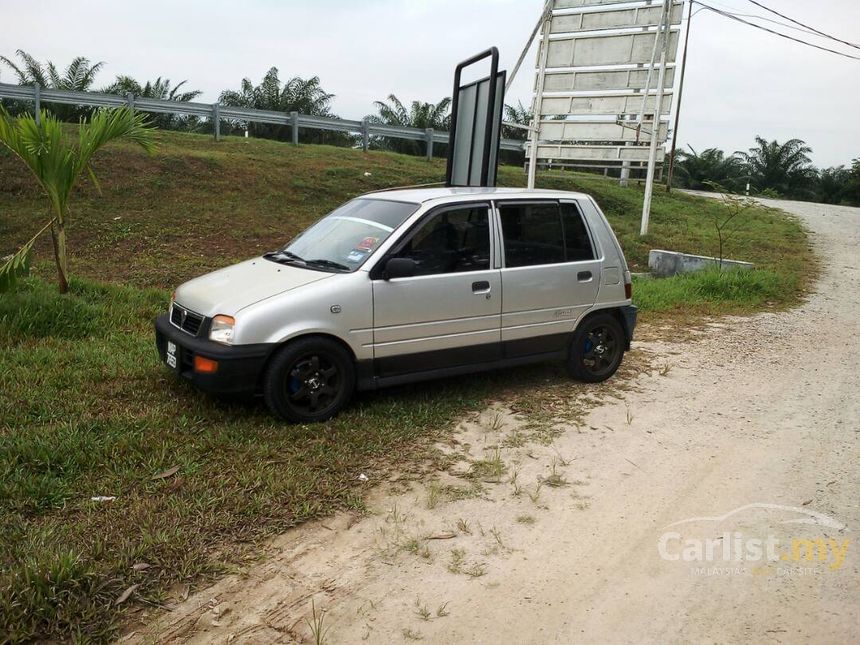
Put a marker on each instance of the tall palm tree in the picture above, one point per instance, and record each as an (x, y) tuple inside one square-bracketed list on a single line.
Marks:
[(79, 76), (784, 168), (161, 89), (852, 187), (419, 115), (302, 95), (700, 171), (57, 165), (30, 71), (831, 185), (519, 114)]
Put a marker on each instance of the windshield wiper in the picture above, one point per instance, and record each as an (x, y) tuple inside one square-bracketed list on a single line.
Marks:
[(328, 263), (282, 255)]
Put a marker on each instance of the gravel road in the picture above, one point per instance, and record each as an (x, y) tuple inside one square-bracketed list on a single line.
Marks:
[(742, 442)]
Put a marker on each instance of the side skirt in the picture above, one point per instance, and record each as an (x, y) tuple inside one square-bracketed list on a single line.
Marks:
[(367, 381)]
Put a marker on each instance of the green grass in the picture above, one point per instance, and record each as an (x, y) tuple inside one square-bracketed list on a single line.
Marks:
[(715, 292), (86, 410), (196, 206)]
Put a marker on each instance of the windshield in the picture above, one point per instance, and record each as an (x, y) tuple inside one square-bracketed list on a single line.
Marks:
[(346, 237)]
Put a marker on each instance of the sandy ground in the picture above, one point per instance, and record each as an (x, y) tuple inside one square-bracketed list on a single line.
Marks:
[(760, 416)]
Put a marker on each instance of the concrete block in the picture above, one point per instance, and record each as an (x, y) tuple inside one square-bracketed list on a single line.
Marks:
[(664, 264)]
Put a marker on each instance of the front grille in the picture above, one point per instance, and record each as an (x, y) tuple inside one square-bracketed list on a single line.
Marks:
[(187, 321)]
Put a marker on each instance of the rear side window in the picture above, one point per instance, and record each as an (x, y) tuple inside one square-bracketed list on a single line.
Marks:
[(451, 241), (547, 233), (532, 234)]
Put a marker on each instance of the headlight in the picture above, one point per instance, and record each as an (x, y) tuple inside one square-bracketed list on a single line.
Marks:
[(221, 330)]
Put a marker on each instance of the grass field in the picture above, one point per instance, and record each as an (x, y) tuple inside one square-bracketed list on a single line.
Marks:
[(197, 206), (86, 410)]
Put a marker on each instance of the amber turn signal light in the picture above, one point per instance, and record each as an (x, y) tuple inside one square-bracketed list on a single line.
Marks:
[(205, 365)]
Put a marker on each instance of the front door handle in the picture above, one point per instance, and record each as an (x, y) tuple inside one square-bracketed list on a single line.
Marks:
[(583, 276), (481, 286)]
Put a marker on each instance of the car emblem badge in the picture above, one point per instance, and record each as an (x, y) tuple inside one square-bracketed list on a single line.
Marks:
[(335, 309)]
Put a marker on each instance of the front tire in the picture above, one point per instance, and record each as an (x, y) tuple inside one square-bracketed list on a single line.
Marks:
[(597, 349), (309, 380)]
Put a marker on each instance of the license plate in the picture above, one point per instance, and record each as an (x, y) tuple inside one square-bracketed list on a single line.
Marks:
[(171, 354)]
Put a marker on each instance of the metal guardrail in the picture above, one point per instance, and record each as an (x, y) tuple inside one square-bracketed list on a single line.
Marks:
[(217, 113)]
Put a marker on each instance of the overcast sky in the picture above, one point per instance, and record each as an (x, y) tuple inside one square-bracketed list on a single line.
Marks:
[(740, 81)]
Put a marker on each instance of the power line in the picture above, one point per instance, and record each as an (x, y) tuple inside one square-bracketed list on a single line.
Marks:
[(771, 31), (731, 10), (797, 22)]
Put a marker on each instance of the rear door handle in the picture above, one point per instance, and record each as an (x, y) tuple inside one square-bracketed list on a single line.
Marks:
[(583, 276), (482, 286)]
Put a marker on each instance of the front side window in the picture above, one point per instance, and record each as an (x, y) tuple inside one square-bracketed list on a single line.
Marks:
[(346, 237), (543, 233), (450, 241)]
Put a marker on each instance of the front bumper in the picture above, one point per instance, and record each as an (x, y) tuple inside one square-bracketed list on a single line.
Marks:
[(239, 366), (629, 313)]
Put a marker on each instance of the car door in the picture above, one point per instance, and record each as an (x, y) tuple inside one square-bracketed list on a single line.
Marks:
[(550, 274), (449, 313)]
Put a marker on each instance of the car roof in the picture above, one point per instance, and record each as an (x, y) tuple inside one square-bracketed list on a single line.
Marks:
[(443, 194)]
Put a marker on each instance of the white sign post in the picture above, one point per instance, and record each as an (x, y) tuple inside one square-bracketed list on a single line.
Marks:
[(663, 39)]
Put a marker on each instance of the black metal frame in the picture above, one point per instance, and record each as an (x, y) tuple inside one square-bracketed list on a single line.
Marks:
[(487, 178)]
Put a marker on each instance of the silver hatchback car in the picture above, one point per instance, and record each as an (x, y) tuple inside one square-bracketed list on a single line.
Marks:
[(406, 285)]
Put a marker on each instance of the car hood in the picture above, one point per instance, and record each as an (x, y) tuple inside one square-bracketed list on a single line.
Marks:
[(229, 290)]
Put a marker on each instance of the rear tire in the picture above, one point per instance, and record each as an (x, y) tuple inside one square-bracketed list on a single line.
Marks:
[(309, 380), (597, 348)]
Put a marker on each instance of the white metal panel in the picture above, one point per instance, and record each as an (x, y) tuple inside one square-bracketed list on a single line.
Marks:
[(596, 131), (602, 105), (613, 18), (596, 153), (583, 81), (462, 149), (615, 49), (583, 86), (571, 4)]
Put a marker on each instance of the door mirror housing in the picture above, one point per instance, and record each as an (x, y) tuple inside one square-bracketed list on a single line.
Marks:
[(399, 268)]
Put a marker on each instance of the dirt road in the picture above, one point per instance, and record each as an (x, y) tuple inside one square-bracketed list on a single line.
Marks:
[(752, 432)]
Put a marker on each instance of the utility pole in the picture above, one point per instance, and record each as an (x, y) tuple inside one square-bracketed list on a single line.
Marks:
[(663, 32), (534, 134), (680, 96)]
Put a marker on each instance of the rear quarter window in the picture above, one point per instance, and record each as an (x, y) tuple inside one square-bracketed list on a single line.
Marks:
[(544, 233), (577, 242)]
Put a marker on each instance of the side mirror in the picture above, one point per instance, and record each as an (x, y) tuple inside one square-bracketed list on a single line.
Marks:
[(399, 268)]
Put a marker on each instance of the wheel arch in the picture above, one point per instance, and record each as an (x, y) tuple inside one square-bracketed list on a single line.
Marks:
[(616, 313), (279, 347)]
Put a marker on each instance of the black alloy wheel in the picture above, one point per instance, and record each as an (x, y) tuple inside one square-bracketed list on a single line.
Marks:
[(597, 349), (309, 380)]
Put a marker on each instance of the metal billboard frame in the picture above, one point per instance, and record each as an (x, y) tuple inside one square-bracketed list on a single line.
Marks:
[(603, 73), (491, 132)]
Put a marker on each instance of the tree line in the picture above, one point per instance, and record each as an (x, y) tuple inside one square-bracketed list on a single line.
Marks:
[(769, 169), (296, 94)]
